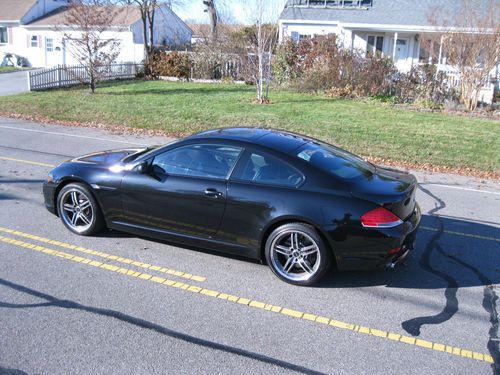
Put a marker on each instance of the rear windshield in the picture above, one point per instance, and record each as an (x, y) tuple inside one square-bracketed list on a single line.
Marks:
[(333, 160)]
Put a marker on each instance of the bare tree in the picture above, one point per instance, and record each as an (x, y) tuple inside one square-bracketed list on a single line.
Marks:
[(266, 38), (470, 41), (213, 16), (84, 28), (148, 9)]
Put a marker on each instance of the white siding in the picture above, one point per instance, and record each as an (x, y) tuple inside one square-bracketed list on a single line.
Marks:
[(356, 39), (61, 53)]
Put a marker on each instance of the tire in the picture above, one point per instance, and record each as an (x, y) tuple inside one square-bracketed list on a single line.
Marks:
[(79, 210), (297, 254)]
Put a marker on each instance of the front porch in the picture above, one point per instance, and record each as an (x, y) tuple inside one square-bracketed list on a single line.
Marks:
[(402, 47)]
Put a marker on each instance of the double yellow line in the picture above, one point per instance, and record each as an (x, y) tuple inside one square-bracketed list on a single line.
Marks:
[(100, 254), (316, 319)]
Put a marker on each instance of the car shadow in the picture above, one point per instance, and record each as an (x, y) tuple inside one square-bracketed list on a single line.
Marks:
[(449, 252)]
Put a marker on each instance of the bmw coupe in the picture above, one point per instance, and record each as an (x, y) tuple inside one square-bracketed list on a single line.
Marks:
[(298, 204)]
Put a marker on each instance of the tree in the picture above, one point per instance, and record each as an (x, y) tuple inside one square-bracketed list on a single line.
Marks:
[(84, 28), (266, 39), (148, 9), (213, 16), (470, 41)]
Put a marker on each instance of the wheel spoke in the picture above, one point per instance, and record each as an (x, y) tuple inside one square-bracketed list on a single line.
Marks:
[(74, 198), (84, 205), (74, 219), (294, 240), (85, 218), (69, 207), (282, 249), (305, 266), (309, 250), (288, 265)]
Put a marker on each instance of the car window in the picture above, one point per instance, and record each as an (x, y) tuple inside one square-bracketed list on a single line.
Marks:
[(335, 161), (211, 161), (266, 169)]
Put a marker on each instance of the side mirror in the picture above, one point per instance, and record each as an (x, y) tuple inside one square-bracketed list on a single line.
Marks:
[(142, 168)]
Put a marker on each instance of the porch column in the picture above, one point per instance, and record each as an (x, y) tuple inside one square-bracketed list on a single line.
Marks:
[(395, 44), (440, 50)]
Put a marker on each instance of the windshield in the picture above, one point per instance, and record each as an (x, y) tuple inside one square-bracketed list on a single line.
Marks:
[(335, 161), (134, 156)]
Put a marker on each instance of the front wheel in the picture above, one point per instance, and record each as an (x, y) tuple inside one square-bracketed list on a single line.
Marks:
[(297, 254), (79, 210)]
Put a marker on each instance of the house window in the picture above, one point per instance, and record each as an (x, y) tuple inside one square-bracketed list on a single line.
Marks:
[(429, 51), (3, 35), (34, 41), (374, 44), (49, 44)]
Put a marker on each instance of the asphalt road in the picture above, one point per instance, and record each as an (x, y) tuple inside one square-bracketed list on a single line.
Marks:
[(13, 83), (118, 304)]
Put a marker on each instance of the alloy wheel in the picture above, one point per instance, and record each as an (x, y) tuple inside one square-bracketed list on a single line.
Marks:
[(295, 255), (76, 210)]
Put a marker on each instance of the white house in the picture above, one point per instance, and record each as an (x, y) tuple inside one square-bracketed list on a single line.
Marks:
[(394, 28), (32, 32)]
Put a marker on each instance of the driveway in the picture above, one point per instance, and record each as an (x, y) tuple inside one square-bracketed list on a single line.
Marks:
[(13, 83)]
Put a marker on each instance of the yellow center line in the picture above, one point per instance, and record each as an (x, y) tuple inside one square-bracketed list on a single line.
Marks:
[(261, 305), (104, 255), (27, 162), (462, 234)]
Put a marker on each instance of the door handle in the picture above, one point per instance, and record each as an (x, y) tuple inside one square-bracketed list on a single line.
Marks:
[(211, 192)]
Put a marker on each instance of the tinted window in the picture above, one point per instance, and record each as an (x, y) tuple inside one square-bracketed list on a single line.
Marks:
[(335, 161), (266, 169), (213, 161)]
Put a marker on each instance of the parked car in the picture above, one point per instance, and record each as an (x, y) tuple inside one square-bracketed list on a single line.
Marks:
[(296, 203)]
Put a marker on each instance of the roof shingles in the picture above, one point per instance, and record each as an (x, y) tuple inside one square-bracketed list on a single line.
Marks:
[(14, 10), (382, 12)]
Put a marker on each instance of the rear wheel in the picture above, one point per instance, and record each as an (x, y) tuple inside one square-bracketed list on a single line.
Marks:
[(297, 254), (79, 210)]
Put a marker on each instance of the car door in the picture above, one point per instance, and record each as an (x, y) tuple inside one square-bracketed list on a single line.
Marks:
[(261, 188), (182, 191)]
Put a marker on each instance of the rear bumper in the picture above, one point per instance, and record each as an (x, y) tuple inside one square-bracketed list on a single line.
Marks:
[(49, 190), (376, 247)]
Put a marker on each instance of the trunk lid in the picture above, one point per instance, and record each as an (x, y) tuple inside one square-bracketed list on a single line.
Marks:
[(390, 188)]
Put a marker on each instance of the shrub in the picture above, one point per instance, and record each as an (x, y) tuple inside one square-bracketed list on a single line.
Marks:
[(284, 66), (423, 86), (323, 66), (171, 64)]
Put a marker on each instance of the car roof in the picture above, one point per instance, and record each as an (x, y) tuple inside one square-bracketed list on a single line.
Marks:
[(274, 139)]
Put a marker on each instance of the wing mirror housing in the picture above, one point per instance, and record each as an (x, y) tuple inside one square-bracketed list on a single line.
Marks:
[(142, 167)]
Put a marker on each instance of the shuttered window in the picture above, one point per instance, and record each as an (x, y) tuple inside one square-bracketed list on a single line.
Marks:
[(4, 38), (34, 41)]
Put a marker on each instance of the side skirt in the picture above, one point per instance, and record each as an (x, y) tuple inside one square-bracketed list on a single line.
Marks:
[(182, 239)]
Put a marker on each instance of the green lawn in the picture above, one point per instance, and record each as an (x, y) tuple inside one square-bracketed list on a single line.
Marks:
[(7, 69), (366, 127)]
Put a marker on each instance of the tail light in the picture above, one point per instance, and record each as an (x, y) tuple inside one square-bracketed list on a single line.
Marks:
[(380, 218), (394, 251)]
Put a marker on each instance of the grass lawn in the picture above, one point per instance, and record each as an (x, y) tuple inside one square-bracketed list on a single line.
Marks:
[(8, 69), (366, 127)]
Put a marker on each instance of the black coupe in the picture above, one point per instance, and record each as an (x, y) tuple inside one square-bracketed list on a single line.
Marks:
[(298, 204)]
